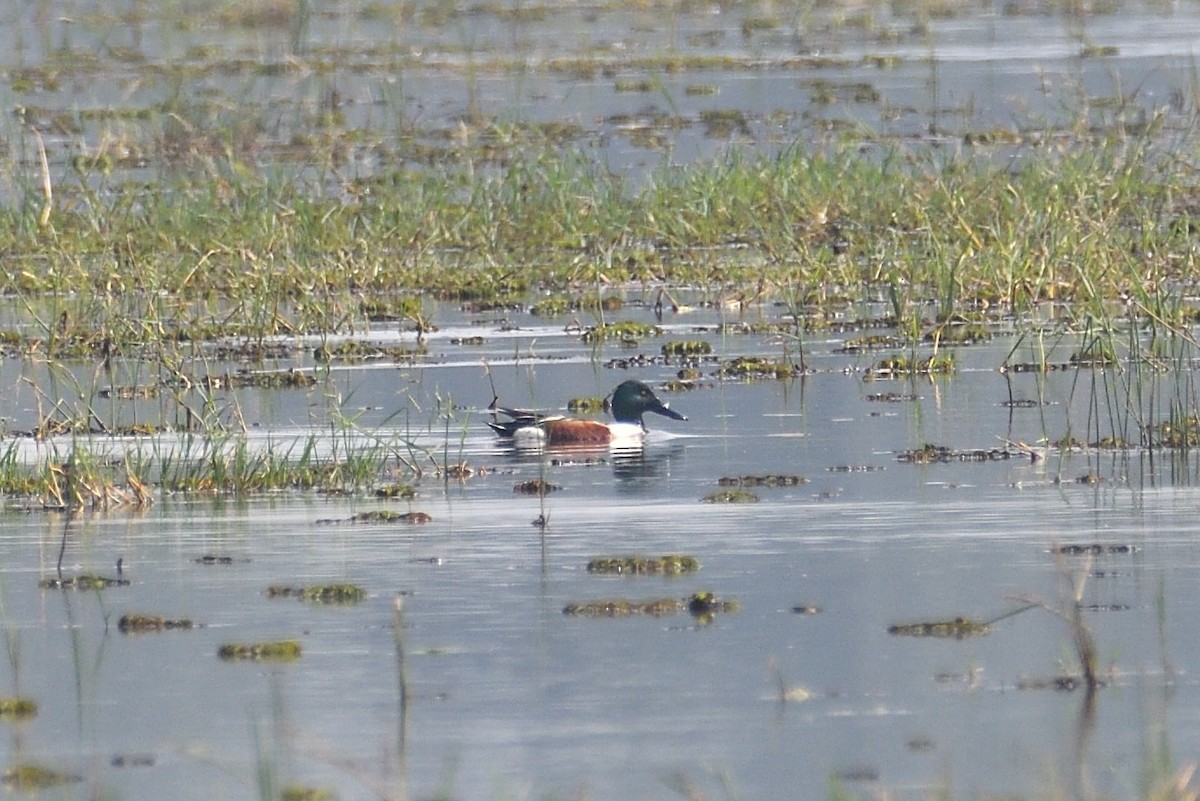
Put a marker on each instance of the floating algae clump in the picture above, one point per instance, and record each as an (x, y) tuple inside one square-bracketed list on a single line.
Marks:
[(306, 794), (895, 366), (686, 347), (639, 565), (752, 367), (730, 496), (535, 486), (321, 593), (701, 605), (762, 481), (958, 628), (84, 582), (17, 708), (31, 776), (585, 405), (626, 329), (131, 624), (279, 651)]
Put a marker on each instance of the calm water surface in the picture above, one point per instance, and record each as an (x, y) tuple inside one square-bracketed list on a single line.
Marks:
[(506, 697)]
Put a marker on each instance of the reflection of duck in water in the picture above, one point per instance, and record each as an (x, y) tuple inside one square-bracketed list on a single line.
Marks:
[(628, 403)]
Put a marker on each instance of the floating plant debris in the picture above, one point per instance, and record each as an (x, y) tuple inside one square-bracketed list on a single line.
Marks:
[(296, 793), (873, 342), (245, 379), (535, 486), (353, 351), (730, 496), (931, 454), (277, 651), (762, 481), (1080, 549), (892, 397), (959, 334), (320, 593), (639, 565), (83, 582), (586, 405), (403, 491), (136, 624), (686, 347), (624, 330), (754, 367), (700, 604), (31, 776), (896, 366), (215, 559), (959, 628), (1065, 683), (17, 708), (378, 516), (132, 761)]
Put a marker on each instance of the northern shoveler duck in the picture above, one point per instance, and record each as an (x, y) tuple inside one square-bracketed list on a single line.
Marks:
[(628, 403)]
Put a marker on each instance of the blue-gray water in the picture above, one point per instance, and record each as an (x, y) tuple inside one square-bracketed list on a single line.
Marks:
[(507, 697)]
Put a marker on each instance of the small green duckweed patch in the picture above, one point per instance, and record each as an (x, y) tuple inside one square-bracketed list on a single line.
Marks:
[(1094, 549), (218, 559), (274, 651), (701, 605), (934, 454), (901, 366), (85, 582), (248, 379), (142, 624), (300, 793), (29, 776), (17, 708), (778, 480), (590, 405), (352, 351), (404, 492), (536, 486), (959, 628), (686, 348), (331, 594), (379, 516), (625, 330), (730, 496), (671, 564), (758, 367)]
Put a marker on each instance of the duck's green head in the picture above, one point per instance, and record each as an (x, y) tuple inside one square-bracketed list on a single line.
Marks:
[(633, 398)]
